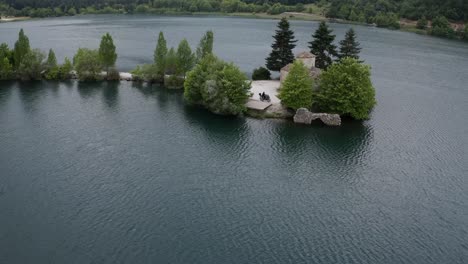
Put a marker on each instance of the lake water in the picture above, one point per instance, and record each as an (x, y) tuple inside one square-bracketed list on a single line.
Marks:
[(125, 173)]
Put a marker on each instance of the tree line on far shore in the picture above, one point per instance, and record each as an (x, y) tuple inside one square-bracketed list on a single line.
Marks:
[(36, 8)]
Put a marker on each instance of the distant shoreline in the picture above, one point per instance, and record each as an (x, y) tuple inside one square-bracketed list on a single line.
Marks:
[(12, 19), (406, 25)]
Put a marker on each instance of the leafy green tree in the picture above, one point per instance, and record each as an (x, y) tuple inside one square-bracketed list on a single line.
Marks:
[(107, 54), (171, 62), (422, 23), (195, 81), (6, 69), (218, 86), (72, 11), (146, 72), (261, 73), (21, 49), (205, 46), (296, 90), (160, 54), (346, 89), (322, 46), (32, 65), (52, 69), (65, 69), (281, 54), (87, 64), (349, 47), (441, 27), (51, 59), (185, 59)]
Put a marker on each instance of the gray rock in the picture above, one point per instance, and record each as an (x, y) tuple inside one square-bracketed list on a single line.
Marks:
[(304, 116)]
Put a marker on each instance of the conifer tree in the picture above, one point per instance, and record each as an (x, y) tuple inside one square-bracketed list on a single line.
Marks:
[(349, 47), (21, 49), (281, 54), (322, 46), (205, 46), (185, 59), (160, 54), (51, 60), (107, 54)]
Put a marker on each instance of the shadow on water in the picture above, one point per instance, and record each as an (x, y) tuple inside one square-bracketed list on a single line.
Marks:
[(6, 87), (110, 94), (227, 132), (346, 144), (29, 93), (89, 89)]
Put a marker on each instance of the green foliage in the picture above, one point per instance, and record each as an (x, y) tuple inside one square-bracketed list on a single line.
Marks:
[(387, 20), (296, 90), (205, 46), (422, 23), (32, 65), (72, 11), (87, 64), (51, 60), (185, 59), (281, 54), (146, 72), (261, 73), (171, 62), (21, 49), (219, 86), (160, 54), (441, 28), (6, 69), (465, 32), (346, 89), (410, 9), (107, 54), (173, 82), (322, 46), (65, 69), (349, 47)]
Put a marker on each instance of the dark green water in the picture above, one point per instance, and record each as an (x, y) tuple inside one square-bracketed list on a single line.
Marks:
[(121, 173)]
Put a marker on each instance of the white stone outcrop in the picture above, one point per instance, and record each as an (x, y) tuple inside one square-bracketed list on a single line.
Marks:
[(304, 116)]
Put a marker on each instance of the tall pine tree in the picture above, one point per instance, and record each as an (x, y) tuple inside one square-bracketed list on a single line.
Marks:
[(322, 46), (160, 54), (21, 49), (349, 47), (282, 54)]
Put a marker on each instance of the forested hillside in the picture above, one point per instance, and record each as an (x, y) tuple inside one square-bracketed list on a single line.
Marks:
[(456, 10), (355, 10)]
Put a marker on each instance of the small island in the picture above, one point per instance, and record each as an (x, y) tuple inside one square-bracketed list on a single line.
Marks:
[(322, 84)]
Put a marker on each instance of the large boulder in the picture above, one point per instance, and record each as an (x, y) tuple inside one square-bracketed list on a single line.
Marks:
[(304, 116)]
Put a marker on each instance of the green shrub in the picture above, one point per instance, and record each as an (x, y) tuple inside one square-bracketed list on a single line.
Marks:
[(422, 23), (31, 66), (87, 64), (296, 90), (218, 86), (146, 72), (346, 89), (441, 28), (65, 69), (261, 73)]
